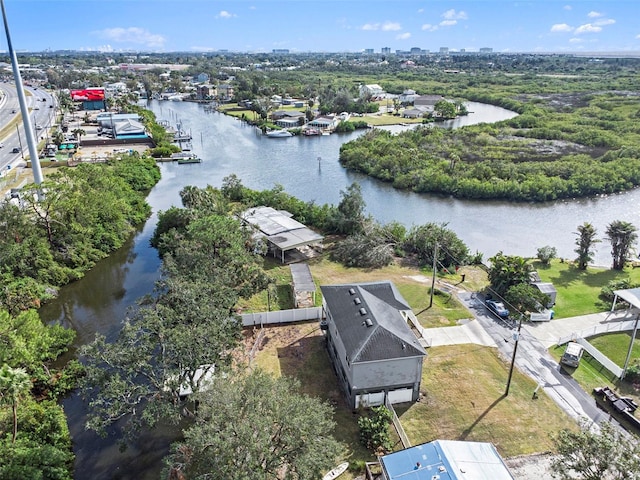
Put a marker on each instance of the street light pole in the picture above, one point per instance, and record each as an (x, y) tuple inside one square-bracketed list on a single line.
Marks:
[(516, 337), (28, 128)]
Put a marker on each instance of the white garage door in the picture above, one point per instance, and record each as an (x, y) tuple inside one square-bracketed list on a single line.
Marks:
[(401, 395), (370, 399)]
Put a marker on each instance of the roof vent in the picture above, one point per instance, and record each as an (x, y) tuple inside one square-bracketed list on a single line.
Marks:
[(352, 291), (357, 301), (363, 311), (368, 322)]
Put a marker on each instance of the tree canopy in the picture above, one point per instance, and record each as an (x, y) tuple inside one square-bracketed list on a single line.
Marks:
[(257, 427)]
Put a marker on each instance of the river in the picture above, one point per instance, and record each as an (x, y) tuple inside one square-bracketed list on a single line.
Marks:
[(308, 168)]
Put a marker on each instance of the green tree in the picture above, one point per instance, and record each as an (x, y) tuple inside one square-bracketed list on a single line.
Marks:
[(622, 236), (445, 109), (14, 386), (257, 427), (588, 454), (506, 271), (79, 133), (422, 240), (176, 340), (349, 217), (524, 297), (585, 244)]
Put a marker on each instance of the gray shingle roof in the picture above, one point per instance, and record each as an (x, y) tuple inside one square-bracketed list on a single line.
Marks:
[(368, 320)]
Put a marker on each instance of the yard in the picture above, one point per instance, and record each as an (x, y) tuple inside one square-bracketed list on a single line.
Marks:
[(461, 396)]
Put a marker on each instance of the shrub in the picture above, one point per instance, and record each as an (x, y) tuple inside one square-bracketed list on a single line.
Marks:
[(546, 254)]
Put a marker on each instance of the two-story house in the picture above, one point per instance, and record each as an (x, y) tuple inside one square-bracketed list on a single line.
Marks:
[(374, 352)]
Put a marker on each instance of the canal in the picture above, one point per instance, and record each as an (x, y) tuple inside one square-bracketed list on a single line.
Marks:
[(308, 168)]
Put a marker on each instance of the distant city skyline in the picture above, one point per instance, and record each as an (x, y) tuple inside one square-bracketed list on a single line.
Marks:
[(543, 26)]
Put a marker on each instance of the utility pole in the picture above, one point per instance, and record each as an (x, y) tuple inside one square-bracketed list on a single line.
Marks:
[(433, 279), (633, 336), (516, 337), (28, 128)]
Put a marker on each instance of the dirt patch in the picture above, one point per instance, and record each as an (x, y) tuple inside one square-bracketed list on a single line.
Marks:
[(531, 467)]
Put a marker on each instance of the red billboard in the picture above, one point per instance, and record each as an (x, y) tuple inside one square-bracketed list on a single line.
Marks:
[(88, 94)]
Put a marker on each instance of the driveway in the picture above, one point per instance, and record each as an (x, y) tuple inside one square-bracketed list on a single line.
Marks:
[(532, 357)]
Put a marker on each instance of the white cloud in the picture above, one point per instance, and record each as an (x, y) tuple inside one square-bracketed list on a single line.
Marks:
[(385, 27), (638, 36), (403, 36), (421, 10), (587, 28), (133, 35), (448, 23), (593, 14), (576, 40), (567, 7), (453, 15), (430, 28), (561, 27), (391, 26), (604, 21), (225, 14)]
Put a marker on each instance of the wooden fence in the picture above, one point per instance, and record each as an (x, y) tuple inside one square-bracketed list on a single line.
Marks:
[(396, 423)]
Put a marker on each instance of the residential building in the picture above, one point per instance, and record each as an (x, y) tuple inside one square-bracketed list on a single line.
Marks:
[(427, 101), (374, 353), (374, 90), (446, 460), (327, 123)]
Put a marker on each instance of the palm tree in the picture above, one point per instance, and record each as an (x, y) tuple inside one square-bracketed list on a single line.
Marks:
[(78, 132), (14, 385), (622, 235), (585, 243)]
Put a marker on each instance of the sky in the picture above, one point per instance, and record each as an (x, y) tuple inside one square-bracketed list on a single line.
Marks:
[(323, 25)]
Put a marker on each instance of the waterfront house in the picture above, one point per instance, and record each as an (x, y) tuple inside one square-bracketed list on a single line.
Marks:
[(427, 101), (325, 123), (288, 118), (374, 353)]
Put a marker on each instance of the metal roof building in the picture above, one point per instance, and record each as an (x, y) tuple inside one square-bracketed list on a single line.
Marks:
[(446, 460), (280, 230)]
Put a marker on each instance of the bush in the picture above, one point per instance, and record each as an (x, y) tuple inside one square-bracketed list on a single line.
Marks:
[(623, 284), (374, 429), (546, 254)]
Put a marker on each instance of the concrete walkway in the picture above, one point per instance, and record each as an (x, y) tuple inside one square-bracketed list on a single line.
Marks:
[(547, 333), (471, 332)]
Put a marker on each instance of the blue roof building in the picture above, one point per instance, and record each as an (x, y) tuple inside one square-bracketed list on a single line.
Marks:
[(446, 460)]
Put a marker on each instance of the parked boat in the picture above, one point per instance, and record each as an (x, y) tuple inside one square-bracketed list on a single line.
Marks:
[(336, 472), (186, 157), (279, 134), (312, 131)]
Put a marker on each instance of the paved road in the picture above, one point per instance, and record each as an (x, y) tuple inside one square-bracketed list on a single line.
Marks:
[(532, 357)]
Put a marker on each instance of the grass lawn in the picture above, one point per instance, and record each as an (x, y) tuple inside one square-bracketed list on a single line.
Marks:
[(591, 374), (462, 388), (579, 290), (414, 285)]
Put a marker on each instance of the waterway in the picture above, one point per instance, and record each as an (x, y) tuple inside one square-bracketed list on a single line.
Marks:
[(308, 168)]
